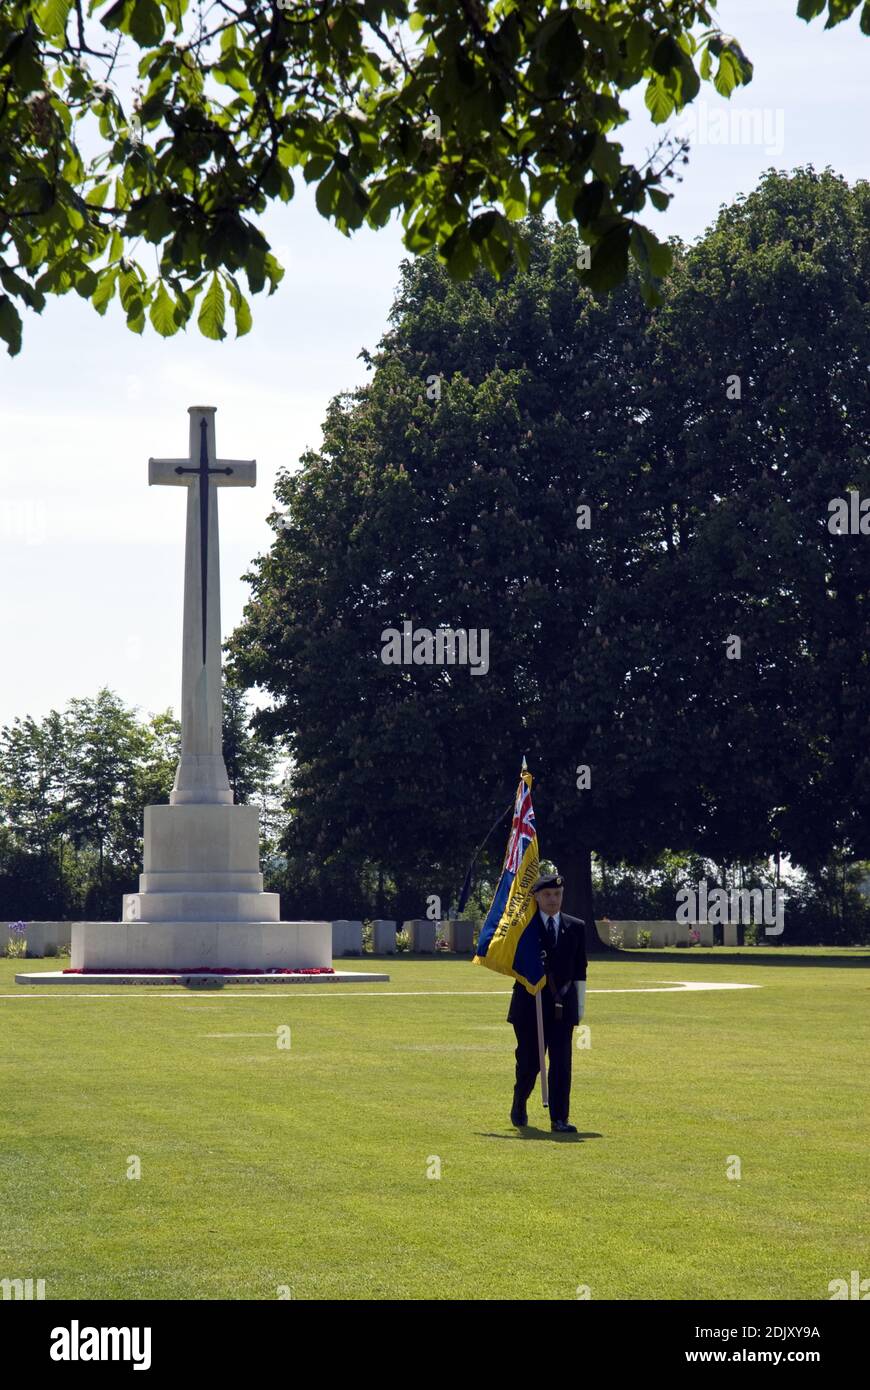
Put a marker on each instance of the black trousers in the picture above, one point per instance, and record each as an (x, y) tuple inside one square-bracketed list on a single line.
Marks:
[(558, 1043)]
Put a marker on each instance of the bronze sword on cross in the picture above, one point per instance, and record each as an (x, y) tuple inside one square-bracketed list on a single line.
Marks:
[(201, 775), (203, 472)]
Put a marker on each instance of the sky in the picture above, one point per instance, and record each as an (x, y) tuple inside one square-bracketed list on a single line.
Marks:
[(92, 560)]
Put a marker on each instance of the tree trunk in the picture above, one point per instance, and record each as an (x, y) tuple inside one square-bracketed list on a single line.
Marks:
[(574, 862)]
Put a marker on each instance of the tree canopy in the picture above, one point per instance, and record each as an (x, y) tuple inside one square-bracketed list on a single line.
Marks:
[(706, 438), (462, 116)]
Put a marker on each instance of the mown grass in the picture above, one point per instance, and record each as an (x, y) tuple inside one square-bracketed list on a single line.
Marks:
[(305, 1169)]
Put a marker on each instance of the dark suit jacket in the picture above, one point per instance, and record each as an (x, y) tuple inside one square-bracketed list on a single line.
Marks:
[(569, 963)]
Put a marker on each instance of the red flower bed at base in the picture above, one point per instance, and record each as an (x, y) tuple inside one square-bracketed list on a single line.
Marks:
[(202, 970)]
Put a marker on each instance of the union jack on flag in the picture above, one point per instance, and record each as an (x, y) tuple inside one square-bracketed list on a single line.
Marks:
[(522, 827), (505, 943)]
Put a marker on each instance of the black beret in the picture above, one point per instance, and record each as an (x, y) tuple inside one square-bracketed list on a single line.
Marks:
[(548, 881)]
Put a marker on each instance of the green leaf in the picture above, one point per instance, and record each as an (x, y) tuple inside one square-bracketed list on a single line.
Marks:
[(21, 288), (176, 10), (652, 255), (52, 17), (316, 167), (659, 198), (162, 312), (838, 10), (328, 192), (514, 197), (728, 75), (589, 201), (212, 310), (117, 17), (274, 271), (130, 288), (241, 308), (609, 260), (658, 99), (691, 83), (97, 196), (22, 56), (85, 281), (10, 325), (105, 289), (458, 252), (666, 55), (808, 9), (159, 219), (734, 66), (482, 225), (141, 18)]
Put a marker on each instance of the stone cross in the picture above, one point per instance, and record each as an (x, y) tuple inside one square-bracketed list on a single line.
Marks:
[(202, 774)]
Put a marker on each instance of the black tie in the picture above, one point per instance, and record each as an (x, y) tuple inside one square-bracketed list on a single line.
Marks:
[(551, 933)]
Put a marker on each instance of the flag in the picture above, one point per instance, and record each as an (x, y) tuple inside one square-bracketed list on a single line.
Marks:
[(506, 942)]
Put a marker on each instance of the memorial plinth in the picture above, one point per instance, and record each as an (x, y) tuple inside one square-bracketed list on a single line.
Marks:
[(200, 903)]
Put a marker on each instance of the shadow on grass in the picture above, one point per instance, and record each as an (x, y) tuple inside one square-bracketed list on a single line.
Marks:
[(532, 1134), (749, 955)]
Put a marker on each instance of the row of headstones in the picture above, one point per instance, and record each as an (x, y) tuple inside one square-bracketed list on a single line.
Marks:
[(667, 933), (37, 936), (347, 937)]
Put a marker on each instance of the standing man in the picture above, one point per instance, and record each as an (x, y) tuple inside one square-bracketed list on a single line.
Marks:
[(563, 947)]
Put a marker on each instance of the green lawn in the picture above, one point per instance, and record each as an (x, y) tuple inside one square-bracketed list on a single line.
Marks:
[(307, 1168)]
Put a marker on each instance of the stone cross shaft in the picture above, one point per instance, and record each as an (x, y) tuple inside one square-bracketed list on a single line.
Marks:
[(202, 775)]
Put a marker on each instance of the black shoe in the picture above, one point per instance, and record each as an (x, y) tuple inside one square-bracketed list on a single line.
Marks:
[(563, 1127), (519, 1116)]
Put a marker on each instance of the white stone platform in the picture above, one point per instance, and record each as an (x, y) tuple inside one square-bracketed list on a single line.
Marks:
[(193, 945)]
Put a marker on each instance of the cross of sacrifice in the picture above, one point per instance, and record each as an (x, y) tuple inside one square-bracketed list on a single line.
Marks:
[(201, 775)]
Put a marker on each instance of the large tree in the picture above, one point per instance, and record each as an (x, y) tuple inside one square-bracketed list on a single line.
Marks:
[(758, 414), (447, 493), (461, 115)]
